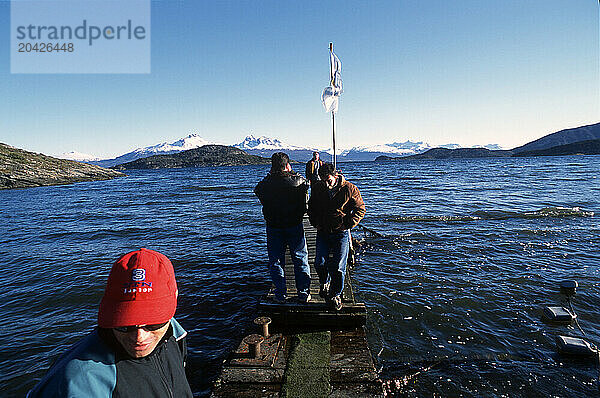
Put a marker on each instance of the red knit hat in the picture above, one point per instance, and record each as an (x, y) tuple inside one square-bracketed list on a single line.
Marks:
[(141, 290)]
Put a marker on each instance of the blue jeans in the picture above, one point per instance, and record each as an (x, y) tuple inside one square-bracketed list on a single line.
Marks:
[(332, 271), (277, 241)]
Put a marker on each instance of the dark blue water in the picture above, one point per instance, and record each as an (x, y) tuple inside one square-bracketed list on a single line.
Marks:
[(472, 250)]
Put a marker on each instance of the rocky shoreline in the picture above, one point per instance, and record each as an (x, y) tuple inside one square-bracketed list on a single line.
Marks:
[(23, 169)]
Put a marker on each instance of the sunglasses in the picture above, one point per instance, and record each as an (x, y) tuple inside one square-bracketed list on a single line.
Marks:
[(134, 328)]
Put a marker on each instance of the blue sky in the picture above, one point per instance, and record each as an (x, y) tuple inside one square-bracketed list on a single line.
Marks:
[(471, 72)]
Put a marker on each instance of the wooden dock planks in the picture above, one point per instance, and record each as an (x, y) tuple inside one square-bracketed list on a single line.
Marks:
[(315, 313)]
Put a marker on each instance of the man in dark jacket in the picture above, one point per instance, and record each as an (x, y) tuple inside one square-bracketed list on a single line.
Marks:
[(335, 207), (138, 350), (312, 168), (282, 194)]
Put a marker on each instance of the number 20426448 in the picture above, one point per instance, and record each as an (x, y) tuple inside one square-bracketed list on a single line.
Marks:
[(45, 47)]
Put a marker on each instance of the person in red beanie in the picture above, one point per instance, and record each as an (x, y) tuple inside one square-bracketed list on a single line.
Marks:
[(138, 349)]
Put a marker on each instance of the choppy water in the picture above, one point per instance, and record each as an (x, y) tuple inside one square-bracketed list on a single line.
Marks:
[(472, 250)]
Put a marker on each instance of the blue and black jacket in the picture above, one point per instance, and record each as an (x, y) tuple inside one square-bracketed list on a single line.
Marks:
[(97, 366)]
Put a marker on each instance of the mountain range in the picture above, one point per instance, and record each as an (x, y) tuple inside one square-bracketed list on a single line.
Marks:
[(584, 140), (265, 146)]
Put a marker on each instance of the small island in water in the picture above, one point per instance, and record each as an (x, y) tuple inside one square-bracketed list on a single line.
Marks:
[(207, 155), (23, 169)]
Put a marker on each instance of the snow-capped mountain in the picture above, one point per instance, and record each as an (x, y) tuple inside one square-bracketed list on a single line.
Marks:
[(267, 146), (491, 147), (190, 142), (366, 153), (266, 143), (78, 156), (261, 143), (449, 146)]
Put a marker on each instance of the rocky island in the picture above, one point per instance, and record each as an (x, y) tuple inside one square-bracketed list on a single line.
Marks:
[(23, 169), (207, 155), (460, 153)]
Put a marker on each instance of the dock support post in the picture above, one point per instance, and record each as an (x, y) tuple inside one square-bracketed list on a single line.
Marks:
[(263, 322), (253, 342)]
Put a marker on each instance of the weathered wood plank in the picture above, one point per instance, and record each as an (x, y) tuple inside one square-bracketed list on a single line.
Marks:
[(247, 390), (352, 371)]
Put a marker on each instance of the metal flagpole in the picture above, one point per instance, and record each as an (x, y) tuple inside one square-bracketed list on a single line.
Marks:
[(333, 128), (332, 113)]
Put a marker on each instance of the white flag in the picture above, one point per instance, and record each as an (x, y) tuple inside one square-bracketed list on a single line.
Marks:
[(331, 93), (336, 68)]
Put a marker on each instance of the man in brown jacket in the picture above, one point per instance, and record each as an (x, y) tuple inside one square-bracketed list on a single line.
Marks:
[(335, 207), (312, 168)]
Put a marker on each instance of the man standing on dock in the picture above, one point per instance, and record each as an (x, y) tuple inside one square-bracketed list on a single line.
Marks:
[(312, 168), (335, 207), (138, 349), (282, 194)]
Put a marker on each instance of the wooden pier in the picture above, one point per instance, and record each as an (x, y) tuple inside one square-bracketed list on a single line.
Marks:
[(317, 313), (311, 351)]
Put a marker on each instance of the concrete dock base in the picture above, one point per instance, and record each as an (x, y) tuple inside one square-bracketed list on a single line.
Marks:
[(313, 364)]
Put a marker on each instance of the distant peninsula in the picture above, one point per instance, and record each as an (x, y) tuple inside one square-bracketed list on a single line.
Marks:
[(589, 147), (560, 138), (23, 169), (583, 140), (207, 155)]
